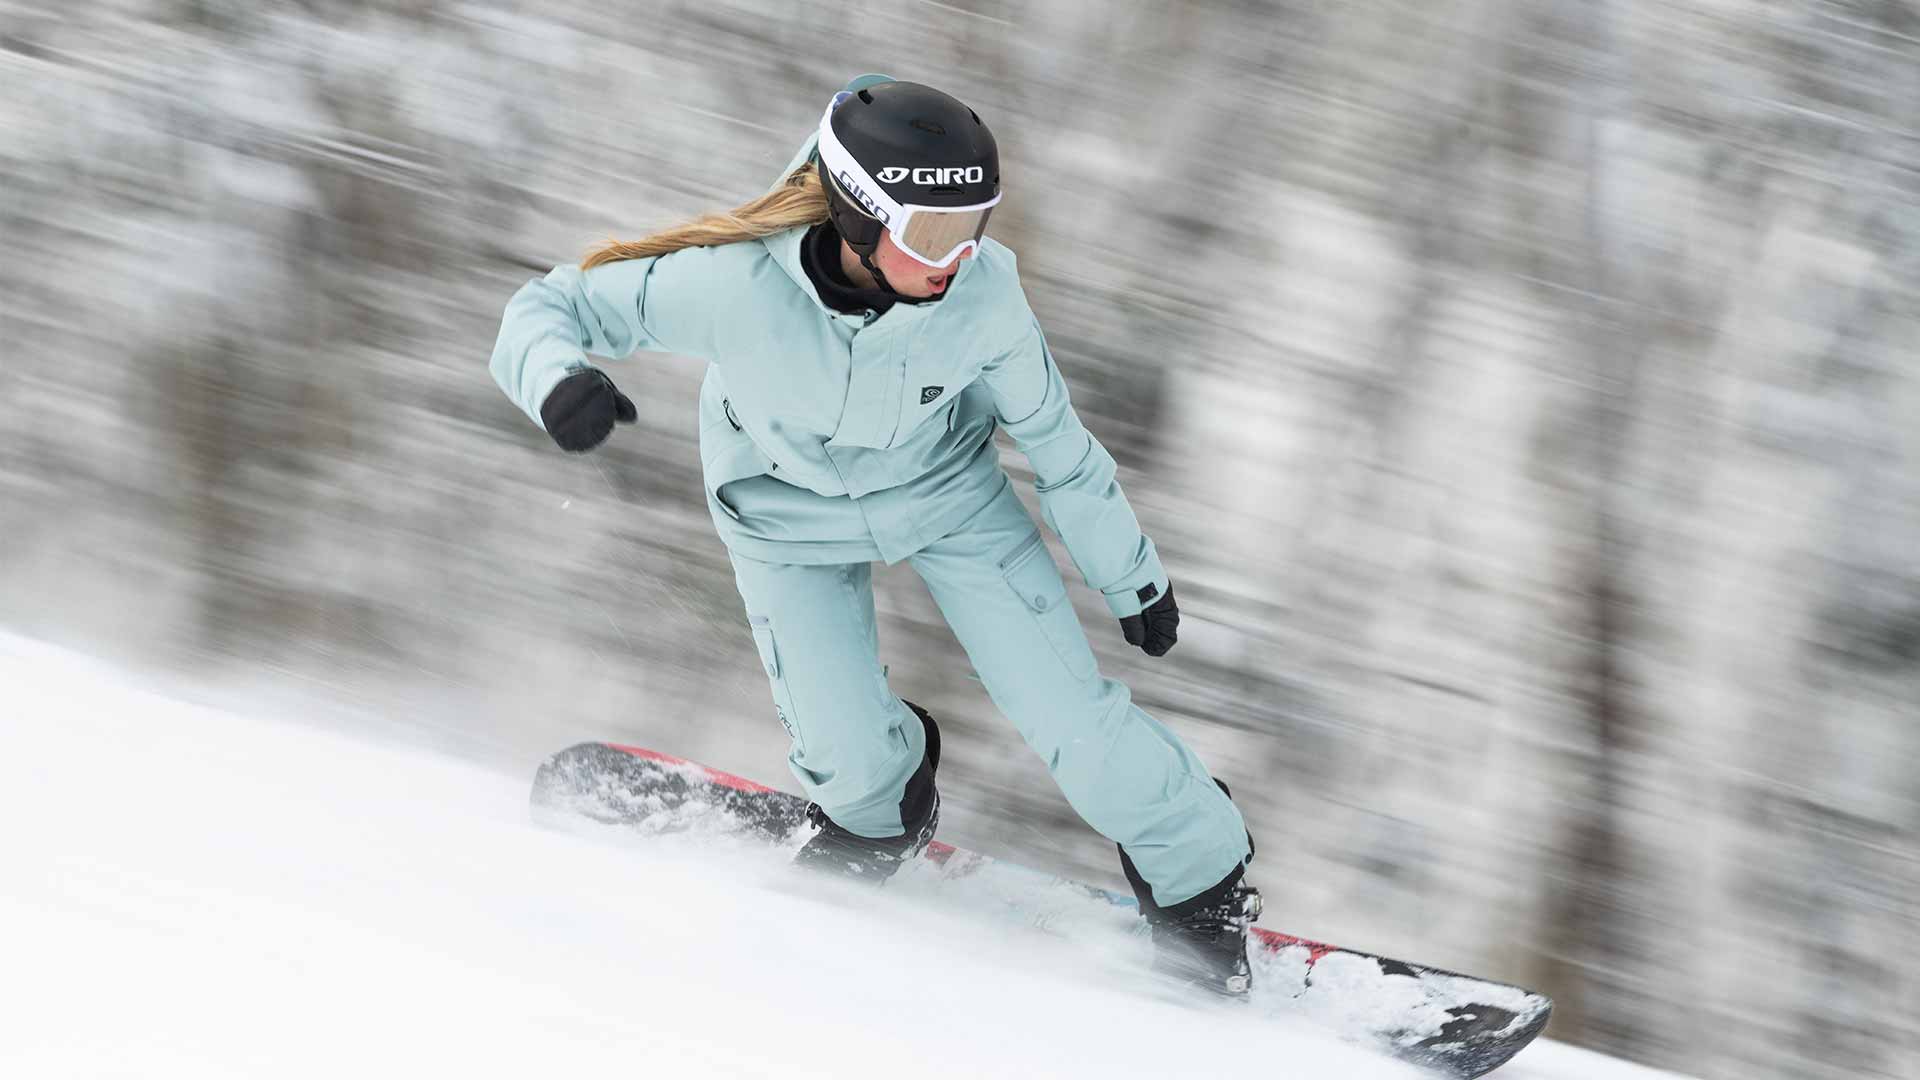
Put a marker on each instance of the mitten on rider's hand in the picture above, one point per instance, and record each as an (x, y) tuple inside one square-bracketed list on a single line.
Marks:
[(580, 411), (1155, 629)]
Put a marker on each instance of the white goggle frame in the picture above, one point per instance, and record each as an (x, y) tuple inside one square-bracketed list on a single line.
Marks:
[(913, 227)]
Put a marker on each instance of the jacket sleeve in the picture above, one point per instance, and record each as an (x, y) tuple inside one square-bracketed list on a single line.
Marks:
[(553, 322), (1080, 494)]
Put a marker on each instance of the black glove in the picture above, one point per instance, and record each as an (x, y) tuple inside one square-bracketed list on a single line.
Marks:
[(1156, 628), (580, 411)]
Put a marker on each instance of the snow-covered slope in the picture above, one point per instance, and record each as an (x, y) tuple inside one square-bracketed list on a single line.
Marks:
[(191, 892)]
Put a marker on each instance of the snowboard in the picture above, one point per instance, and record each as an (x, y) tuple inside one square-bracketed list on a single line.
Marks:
[(1457, 1024)]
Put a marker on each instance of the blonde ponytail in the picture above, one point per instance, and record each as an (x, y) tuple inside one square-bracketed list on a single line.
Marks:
[(799, 200)]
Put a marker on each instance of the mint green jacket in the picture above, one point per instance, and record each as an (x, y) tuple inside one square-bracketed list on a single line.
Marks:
[(830, 438)]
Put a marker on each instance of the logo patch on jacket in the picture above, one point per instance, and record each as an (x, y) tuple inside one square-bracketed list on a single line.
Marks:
[(928, 393)]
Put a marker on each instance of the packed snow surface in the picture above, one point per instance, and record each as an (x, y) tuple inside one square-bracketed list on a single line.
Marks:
[(194, 892)]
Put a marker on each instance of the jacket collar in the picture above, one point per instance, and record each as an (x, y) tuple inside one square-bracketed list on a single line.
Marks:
[(785, 246)]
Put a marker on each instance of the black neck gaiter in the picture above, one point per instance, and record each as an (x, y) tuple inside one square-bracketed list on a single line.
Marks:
[(820, 258)]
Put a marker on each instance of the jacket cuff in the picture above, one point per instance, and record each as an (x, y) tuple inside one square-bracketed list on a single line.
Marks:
[(549, 363), (1135, 595)]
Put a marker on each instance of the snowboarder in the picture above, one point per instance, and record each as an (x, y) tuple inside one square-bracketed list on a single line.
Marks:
[(865, 337)]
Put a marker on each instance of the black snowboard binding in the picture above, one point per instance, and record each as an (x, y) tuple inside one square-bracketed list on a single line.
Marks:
[(834, 849), (1202, 941)]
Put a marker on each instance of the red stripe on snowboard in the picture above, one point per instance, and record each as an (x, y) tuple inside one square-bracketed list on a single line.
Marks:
[(1274, 940), (715, 775)]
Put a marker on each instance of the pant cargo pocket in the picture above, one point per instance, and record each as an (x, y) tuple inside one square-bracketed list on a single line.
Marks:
[(1030, 573), (769, 650)]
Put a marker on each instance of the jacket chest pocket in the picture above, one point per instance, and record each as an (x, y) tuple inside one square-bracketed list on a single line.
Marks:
[(900, 379), (929, 391)]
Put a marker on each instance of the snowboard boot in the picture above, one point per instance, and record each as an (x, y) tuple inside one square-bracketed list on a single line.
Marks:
[(1202, 941), (834, 849)]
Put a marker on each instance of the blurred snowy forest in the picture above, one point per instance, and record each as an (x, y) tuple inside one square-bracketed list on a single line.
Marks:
[(1522, 394)]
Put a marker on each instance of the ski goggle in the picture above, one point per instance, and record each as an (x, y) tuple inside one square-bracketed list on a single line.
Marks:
[(934, 235)]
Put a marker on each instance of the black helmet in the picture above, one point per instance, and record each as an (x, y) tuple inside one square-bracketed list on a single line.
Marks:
[(906, 159)]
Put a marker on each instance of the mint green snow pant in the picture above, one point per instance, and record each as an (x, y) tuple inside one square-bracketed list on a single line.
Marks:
[(855, 744)]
